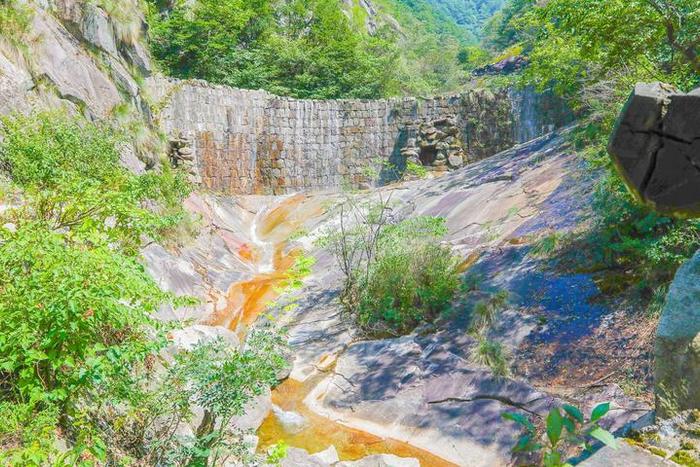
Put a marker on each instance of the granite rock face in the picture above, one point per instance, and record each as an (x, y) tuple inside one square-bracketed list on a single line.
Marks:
[(656, 146), (425, 389), (253, 142), (678, 344), (77, 61)]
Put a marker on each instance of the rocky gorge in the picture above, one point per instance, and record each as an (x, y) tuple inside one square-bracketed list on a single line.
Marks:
[(269, 173)]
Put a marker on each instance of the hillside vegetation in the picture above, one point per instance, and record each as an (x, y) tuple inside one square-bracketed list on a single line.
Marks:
[(315, 48), (592, 52)]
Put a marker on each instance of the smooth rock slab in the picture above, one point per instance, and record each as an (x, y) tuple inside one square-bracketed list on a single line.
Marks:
[(656, 147), (624, 456)]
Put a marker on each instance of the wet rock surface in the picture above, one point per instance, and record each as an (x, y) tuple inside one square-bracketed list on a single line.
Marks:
[(656, 145), (423, 390)]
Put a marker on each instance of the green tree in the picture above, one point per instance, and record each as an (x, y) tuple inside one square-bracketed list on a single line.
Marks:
[(592, 52)]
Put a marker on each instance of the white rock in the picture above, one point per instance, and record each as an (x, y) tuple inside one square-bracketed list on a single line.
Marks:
[(381, 460), (329, 455), (291, 421)]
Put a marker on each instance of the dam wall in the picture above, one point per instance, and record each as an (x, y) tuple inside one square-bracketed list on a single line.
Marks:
[(253, 142)]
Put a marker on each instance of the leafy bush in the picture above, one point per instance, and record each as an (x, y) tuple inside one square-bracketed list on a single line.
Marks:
[(493, 355), (71, 174), (78, 345), (213, 376), (15, 18), (397, 275), (416, 170), (68, 311), (566, 428), (304, 49)]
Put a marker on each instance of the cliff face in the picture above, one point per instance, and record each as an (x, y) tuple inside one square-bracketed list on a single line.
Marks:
[(255, 142), (74, 55)]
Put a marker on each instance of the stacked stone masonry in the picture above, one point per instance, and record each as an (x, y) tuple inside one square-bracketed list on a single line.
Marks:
[(253, 142)]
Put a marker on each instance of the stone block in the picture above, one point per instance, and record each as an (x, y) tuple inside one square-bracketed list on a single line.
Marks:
[(656, 147)]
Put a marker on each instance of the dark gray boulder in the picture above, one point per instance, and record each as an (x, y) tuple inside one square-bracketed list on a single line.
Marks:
[(656, 147)]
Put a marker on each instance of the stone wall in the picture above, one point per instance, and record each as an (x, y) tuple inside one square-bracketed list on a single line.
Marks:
[(255, 142)]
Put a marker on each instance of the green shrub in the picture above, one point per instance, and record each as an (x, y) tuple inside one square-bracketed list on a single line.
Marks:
[(73, 180), (416, 170), (493, 355), (68, 310), (15, 18), (565, 428), (397, 275), (213, 376), (407, 284), (78, 344)]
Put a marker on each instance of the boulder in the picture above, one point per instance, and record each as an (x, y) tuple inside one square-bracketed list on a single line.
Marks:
[(255, 412), (677, 349), (300, 458), (455, 160), (329, 455), (187, 338), (656, 147)]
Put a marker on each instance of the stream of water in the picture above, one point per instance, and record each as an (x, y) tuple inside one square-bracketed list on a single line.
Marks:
[(292, 422)]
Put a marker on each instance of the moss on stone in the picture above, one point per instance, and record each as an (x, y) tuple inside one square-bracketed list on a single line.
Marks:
[(684, 457), (687, 445), (658, 451)]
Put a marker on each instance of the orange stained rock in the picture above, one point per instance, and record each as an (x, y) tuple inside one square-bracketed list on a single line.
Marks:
[(321, 432), (468, 262), (247, 253), (248, 299)]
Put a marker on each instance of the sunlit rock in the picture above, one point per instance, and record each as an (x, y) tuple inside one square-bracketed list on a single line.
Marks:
[(678, 344)]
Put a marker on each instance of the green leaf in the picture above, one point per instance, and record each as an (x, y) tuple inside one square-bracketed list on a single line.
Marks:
[(569, 425), (519, 419), (599, 411), (554, 426), (552, 459), (574, 412), (604, 436), (36, 355)]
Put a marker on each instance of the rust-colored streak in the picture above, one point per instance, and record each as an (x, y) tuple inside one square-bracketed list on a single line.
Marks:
[(247, 253), (246, 300), (468, 262), (320, 432)]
